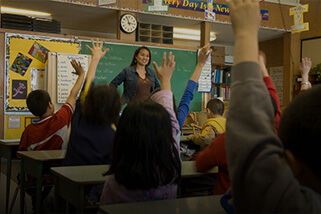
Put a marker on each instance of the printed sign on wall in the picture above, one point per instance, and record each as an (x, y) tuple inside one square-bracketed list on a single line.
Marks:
[(297, 13)]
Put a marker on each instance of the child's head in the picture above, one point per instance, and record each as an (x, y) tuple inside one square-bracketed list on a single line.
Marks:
[(38, 102), (144, 155), (300, 129), (102, 105), (215, 107)]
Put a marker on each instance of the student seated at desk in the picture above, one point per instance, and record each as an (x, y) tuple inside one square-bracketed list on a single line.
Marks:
[(93, 124), (215, 153), (51, 131), (213, 126), (146, 164), (269, 174)]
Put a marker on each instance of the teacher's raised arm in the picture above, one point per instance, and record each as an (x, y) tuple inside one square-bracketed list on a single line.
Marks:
[(139, 80)]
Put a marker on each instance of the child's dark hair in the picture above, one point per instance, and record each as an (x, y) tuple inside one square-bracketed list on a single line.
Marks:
[(216, 106), (134, 62), (144, 154), (300, 128), (38, 101), (102, 105)]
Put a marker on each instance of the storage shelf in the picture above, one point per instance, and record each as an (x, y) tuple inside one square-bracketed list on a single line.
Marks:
[(154, 33)]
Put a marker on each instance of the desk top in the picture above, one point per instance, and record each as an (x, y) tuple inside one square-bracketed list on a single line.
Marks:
[(93, 174), (10, 142), (189, 170), (203, 204), (43, 155)]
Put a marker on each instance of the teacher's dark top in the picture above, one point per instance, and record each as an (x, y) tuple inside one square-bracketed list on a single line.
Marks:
[(130, 78)]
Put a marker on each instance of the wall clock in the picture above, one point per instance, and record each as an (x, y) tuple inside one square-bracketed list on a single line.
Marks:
[(128, 23)]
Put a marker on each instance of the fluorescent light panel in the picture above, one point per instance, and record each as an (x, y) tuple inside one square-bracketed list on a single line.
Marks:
[(23, 12), (189, 34)]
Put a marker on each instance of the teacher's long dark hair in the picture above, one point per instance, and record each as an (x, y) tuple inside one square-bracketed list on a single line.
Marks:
[(144, 154), (134, 62)]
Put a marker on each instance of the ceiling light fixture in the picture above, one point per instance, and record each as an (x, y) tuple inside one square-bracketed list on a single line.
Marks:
[(189, 34), (23, 12)]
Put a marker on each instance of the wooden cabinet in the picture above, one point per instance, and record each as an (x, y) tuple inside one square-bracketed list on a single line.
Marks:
[(154, 33)]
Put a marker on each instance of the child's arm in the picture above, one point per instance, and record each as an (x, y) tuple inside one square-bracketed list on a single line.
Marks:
[(305, 67), (75, 89), (271, 88), (97, 53), (165, 96), (183, 107), (262, 181)]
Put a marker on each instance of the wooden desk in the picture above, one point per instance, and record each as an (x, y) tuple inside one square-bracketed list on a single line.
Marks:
[(8, 150), (194, 205), (32, 163), (70, 181)]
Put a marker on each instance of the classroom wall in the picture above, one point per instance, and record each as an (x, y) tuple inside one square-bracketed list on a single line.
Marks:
[(274, 56), (274, 11), (313, 17)]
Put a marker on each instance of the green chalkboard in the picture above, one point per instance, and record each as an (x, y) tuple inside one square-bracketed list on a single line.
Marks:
[(120, 56)]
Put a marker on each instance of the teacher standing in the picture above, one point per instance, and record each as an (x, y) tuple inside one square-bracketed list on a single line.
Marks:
[(139, 80)]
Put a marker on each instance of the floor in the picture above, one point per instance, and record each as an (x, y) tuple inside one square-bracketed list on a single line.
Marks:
[(13, 185)]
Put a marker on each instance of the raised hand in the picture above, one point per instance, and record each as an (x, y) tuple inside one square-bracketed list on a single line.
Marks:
[(77, 66), (165, 71), (305, 66), (203, 54), (97, 49), (245, 16)]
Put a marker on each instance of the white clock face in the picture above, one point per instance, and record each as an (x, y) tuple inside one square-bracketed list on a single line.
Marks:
[(128, 23)]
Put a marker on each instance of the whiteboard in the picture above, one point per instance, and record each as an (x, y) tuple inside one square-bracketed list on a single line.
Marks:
[(65, 79)]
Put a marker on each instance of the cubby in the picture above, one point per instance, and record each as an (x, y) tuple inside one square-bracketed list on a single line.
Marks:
[(154, 33)]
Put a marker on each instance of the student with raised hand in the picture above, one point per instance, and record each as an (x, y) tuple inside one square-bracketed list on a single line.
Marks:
[(146, 164), (272, 91), (93, 124), (51, 131), (267, 177), (188, 95), (305, 67)]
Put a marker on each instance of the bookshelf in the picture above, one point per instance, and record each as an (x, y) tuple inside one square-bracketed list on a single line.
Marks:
[(221, 82)]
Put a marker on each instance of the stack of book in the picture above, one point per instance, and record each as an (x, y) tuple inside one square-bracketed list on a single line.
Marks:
[(20, 22), (48, 26), (17, 22)]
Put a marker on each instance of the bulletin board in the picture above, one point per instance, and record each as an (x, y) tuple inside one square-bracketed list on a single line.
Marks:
[(26, 60), (26, 70)]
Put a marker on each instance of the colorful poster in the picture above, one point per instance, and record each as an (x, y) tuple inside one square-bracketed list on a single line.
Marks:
[(39, 52), (209, 14), (21, 64), (19, 89), (37, 79)]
